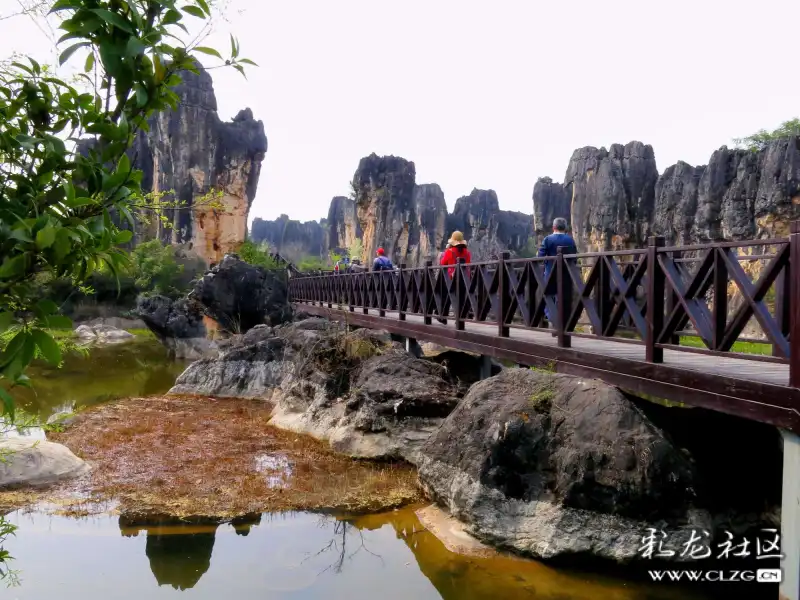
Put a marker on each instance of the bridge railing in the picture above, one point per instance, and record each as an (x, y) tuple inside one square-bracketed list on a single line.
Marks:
[(716, 295)]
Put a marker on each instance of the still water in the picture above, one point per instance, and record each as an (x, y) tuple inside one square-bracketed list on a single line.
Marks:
[(388, 556), (137, 368), (299, 556)]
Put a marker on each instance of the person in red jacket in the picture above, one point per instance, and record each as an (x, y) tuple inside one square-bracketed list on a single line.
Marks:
[(457, 248)]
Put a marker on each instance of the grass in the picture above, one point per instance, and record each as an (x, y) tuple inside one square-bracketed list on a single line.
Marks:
[(145, 333), (186, 456), (744, 347)]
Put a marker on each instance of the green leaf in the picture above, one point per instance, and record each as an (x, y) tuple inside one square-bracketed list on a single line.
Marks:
[(6, 320), (64, 56), (114, 19), (134, 47), (46, 307), (234, 47), (47, 346), (141, 95), (240, 68), (21, 235), (195, 11), (13, 347), (13, 267), (123, 236), (89, 63), (62, 245), (204, 5), (246, 61), (124, 165), (58, 322), (8, 401), (209, 51), (45, 237)]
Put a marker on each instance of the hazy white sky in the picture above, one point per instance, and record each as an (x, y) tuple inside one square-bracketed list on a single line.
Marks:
[(491, 94)]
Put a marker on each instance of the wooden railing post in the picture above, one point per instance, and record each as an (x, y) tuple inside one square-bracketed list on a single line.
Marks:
[(720, 285), (350, 291), (503, 295), (794, 305), (330, 288), (458, 309), (365, 302), (564, 298), (381, 295), (401, 297), (426, 292), (655, 301)]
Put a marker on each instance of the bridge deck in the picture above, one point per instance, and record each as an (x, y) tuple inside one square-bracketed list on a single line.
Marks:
[(732, 383)]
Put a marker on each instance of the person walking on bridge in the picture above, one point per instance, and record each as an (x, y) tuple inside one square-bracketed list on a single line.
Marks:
[(456, 248), (382, 262), (549, 247)]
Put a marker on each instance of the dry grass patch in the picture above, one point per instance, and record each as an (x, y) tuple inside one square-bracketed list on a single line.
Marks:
[(213, 457)]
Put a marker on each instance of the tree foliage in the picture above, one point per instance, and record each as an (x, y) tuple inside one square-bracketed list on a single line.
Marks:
[(761, 138), (63, 212), (257, 254)]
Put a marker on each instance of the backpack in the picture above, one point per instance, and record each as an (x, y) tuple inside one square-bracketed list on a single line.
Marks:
[(382, 263)]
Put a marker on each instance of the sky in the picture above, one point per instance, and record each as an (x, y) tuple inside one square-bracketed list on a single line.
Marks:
[(486, 94)]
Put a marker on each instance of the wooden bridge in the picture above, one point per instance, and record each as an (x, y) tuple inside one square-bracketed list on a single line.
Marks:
[(626, 317)]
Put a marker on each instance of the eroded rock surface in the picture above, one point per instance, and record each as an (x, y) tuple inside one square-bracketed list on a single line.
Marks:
[(240, 296), (549, 465), (360, 391), (178, 324), (190, 152)]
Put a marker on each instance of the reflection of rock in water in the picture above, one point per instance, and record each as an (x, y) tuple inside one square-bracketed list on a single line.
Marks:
[(179, 560), (180, 550)]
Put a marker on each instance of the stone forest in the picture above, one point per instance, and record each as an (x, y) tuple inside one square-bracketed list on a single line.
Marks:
[(248, 401)]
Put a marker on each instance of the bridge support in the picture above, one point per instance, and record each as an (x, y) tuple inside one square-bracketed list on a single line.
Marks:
[(790, 517), (486, 366), (413, 347)]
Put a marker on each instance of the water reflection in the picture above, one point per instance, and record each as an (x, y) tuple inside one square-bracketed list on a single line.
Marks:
[(138, 368), (180, 551), (297, 556)]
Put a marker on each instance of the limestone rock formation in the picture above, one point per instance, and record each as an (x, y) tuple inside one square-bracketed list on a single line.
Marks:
[(292, 239), (33, 462), (240, 296), (612, 195), (343, 225), (428, 232), (488, 229), (192, 152), (550, 465), (550, 201), (384, 188), (615, 198), (102, 334)]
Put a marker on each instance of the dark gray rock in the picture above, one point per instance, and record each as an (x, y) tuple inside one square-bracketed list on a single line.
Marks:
[(489, 230), (178, 324), (549, 465), (428, 231), (612, 195), (292, 239), (240, 296), (676, 203), (550, 201)]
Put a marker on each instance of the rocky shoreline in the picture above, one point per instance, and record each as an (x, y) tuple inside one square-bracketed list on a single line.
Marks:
[(542, 464)]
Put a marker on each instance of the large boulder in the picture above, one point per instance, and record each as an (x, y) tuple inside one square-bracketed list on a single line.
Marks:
[(240, 296), (250, 371), (177, 324), (30, 462), (364, 395), (550, 465)]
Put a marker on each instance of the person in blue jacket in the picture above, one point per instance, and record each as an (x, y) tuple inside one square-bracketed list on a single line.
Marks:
[(550, 246)]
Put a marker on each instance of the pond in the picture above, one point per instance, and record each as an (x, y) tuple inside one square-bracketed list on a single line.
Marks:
[(138, 368), (301, 556), (305, 556)]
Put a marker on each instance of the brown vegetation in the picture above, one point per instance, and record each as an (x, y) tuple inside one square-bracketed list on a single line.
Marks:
[(204, 456)]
